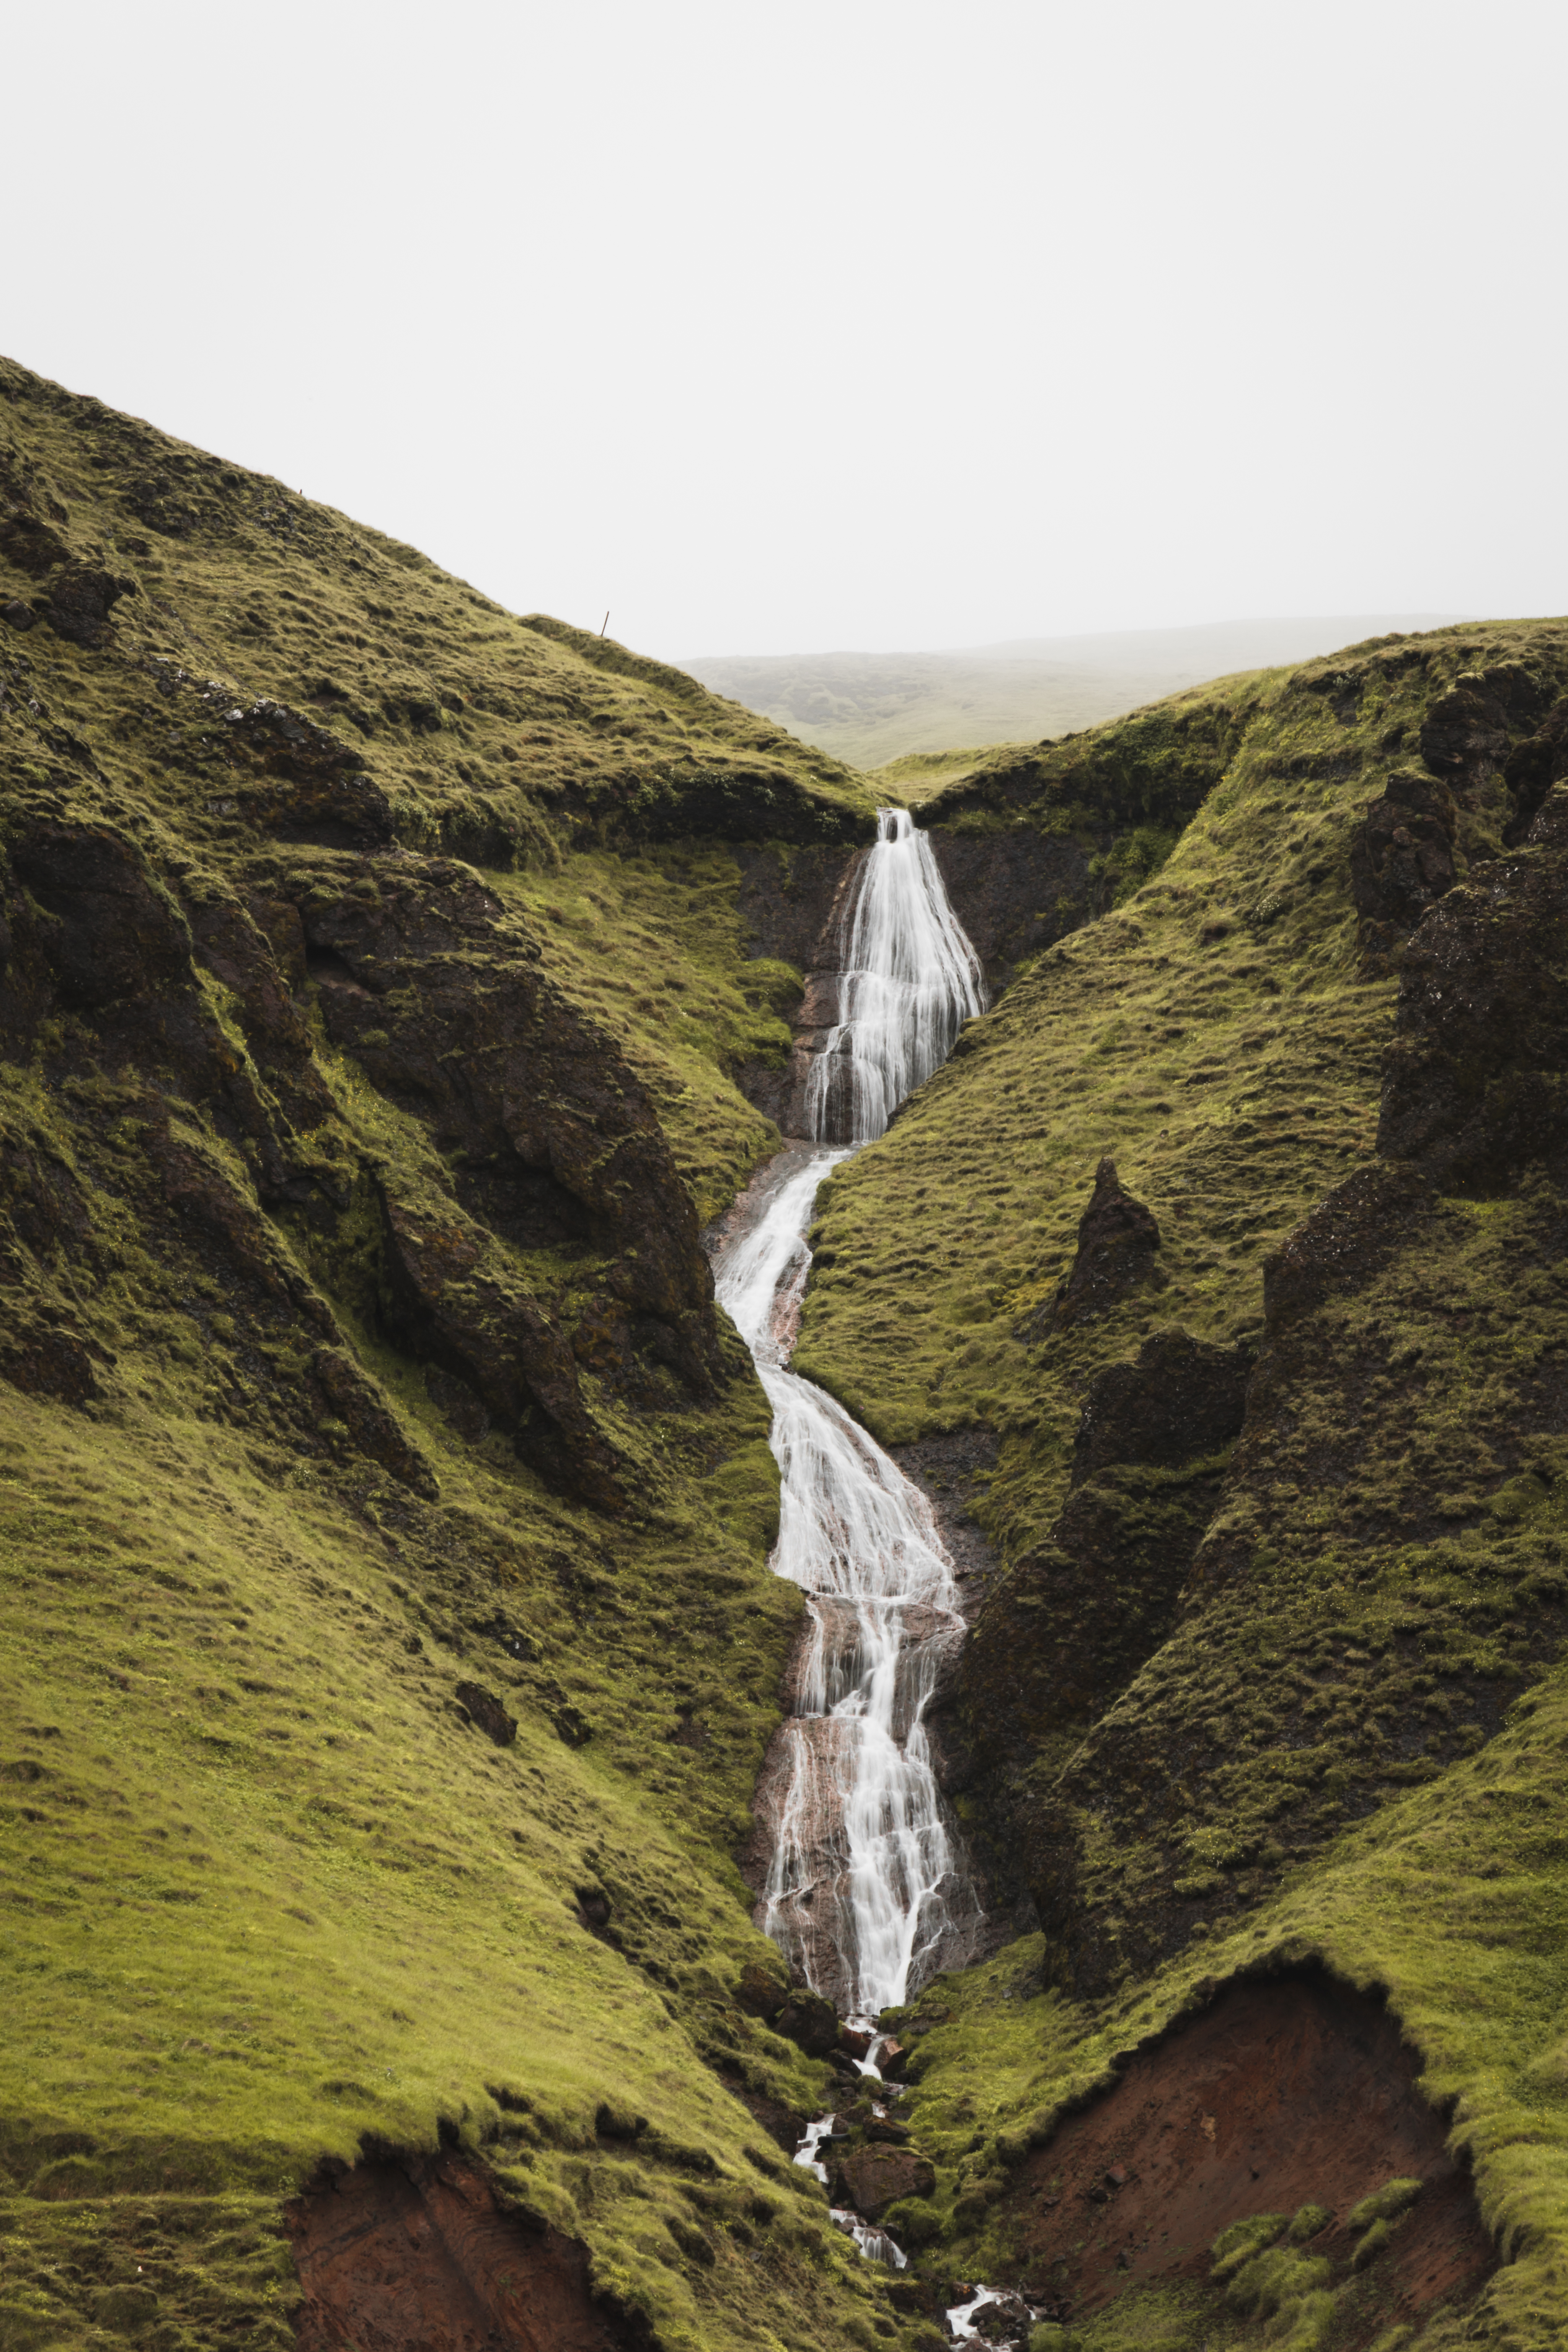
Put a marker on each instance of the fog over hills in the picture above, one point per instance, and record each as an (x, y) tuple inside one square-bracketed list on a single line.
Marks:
[(870, 708)]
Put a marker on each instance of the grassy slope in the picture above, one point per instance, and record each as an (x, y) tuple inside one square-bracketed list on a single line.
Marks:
[(213, 1661), (266, 1889), (1213, 1035)]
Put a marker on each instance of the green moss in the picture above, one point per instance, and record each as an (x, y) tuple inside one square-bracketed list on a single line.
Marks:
[(1368, 2248), (1384, 2204), (270, 1893), (652, 948)]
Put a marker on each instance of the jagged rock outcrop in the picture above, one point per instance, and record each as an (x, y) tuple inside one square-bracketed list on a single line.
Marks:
[(1073, 1621), (310, 786), (552, 1145), (1402, 862), (1118, 1239), (1532, 767), (1387, 1387)]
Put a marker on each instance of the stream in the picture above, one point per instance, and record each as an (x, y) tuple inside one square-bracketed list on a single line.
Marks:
[(869, 1892)]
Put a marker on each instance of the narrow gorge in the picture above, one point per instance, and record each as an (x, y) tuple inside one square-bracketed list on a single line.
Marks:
[(562, 1783)]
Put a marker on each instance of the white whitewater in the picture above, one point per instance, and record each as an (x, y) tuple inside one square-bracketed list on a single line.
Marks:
[(911, 980), (869, 1892)]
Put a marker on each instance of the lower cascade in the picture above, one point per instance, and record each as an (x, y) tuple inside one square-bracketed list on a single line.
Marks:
[(869, 1892)]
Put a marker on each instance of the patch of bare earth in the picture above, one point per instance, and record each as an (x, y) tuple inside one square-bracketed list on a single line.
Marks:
[(1282, 2094), (417, 2256)]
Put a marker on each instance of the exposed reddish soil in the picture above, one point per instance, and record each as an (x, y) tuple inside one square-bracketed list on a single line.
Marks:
[(1282, 2094), (415, 2257)]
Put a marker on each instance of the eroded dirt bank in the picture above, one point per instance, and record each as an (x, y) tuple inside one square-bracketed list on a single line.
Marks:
[(416, 2256), (1282, 2095)]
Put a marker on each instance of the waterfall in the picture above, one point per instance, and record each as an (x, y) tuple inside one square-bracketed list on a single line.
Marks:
[(869, 1892), (911, 980)]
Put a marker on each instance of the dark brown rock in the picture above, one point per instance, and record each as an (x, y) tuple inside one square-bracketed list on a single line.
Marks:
[(809, 2021), (1341, 1243), (28, 542), (232, 946), (1015, 893), (1402, 862), (1117, 1240), (783, 2124), (1476, 1082), (760, 1991), (1078, 1617), (1466, 729), (554, 1144), (874, 2178), (1006, 2319), (17, 615), (81, 597), (110, 932), (43, 1355), (373, 1428), (1530, 770), (1177, 1398), (488, 1713), (314, 788), (453, 1296)]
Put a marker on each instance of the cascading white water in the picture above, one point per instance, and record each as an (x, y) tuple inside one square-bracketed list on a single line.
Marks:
[(867, 1891), (911, 982)]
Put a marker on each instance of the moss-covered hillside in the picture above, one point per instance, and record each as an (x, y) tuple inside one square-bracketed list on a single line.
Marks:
[(389, 1651), (362, 1398), (1280, 1396)]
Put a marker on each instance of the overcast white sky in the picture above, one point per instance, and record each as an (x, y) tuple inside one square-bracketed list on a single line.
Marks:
[(777, 328)]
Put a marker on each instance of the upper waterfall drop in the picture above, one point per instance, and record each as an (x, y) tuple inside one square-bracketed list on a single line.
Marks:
[(911, 980)]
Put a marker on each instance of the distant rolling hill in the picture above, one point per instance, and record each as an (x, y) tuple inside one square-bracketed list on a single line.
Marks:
[(869, 709)]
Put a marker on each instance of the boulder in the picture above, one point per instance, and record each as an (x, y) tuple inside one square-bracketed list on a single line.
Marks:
[(759, 1991), (1005, 2319), (488, 1713), (80, 600), (874, 2178), (809, 2021)]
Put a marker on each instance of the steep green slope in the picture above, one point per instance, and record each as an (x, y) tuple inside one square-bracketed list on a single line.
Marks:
[(1322, 1045), (363, 1399), (389, 1646)]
